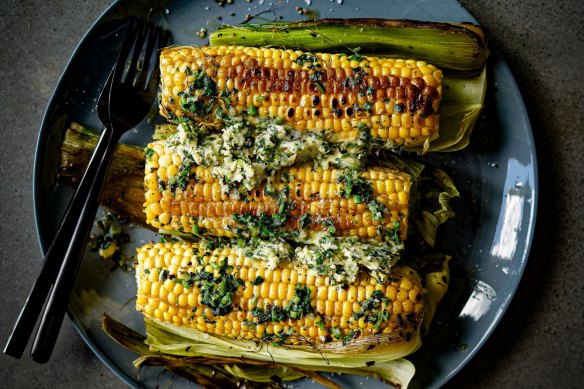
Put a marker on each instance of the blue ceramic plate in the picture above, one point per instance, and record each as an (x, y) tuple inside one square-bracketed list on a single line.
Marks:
[(497, 176)]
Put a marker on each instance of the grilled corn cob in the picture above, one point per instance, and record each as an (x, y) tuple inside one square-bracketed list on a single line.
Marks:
[(396, 100), (218, 292), (187, 198)]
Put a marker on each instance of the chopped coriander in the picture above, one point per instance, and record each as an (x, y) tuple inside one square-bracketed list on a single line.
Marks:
[(305, 221), (317, 75), (149, 153), (329, 226), (354, 186), (337, 333), (306, 59), (110, 240), (356, 56), (252, 110), (320, 87), (299, 305), (377, 210), (286, 176)]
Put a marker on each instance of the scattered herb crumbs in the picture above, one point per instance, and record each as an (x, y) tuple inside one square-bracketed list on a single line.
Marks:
[(306, 59), (110, 240), (329, 226)]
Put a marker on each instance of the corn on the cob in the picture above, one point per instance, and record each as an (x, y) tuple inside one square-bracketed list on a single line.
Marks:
[(186, 198), (218, 292), (397, 100)]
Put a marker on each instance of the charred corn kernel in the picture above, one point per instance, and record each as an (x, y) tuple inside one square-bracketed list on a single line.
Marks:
[(379, 86), (198, 203), (187, 303)]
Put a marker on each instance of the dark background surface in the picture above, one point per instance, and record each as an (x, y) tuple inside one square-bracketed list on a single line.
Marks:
[(540, 340)]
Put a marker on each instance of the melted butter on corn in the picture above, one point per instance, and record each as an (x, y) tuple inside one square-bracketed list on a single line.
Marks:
[(184, 202)]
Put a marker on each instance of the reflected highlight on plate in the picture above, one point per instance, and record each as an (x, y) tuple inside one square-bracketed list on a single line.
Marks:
[(511, 217), (479, 302)]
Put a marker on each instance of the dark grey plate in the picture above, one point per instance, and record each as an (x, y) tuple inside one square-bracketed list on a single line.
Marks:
[(490, 237)]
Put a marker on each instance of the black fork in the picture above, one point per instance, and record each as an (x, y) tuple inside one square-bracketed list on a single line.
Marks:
[(125, 100)]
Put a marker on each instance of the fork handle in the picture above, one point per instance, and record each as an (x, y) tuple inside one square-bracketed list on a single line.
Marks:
[(70, 243), (37, 296)]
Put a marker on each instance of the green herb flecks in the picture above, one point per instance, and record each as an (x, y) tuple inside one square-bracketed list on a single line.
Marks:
[(198, 231), (217, 292), (163, 274), (277, 340), (391, 233), (356, 56), (200, 97), (320, 87), (148, 153), (374, 309), (300, 303), (310, 59), (337, 334), (298, 307), (252, 110), (305, 221), (329, 226), (264, 225), (357, 81), (271, 313), (354, 186), (181, 180), (377, 210)]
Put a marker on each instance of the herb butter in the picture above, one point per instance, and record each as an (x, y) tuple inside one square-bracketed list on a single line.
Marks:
[(243, 155)]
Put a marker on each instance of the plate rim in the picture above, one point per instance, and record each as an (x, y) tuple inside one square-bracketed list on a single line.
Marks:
[(503, 307)]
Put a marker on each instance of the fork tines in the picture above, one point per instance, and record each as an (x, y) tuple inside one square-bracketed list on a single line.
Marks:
[(137, 53)]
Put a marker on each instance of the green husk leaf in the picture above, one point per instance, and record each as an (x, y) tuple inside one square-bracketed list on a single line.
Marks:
[(462, 102), (432, 190), (259, 374), (437, 194), (243, 368), (134, 341), (446, 45), (388, 366), (436, 272), (402, 164), (124, 189), (183, 351), (201, 369)]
